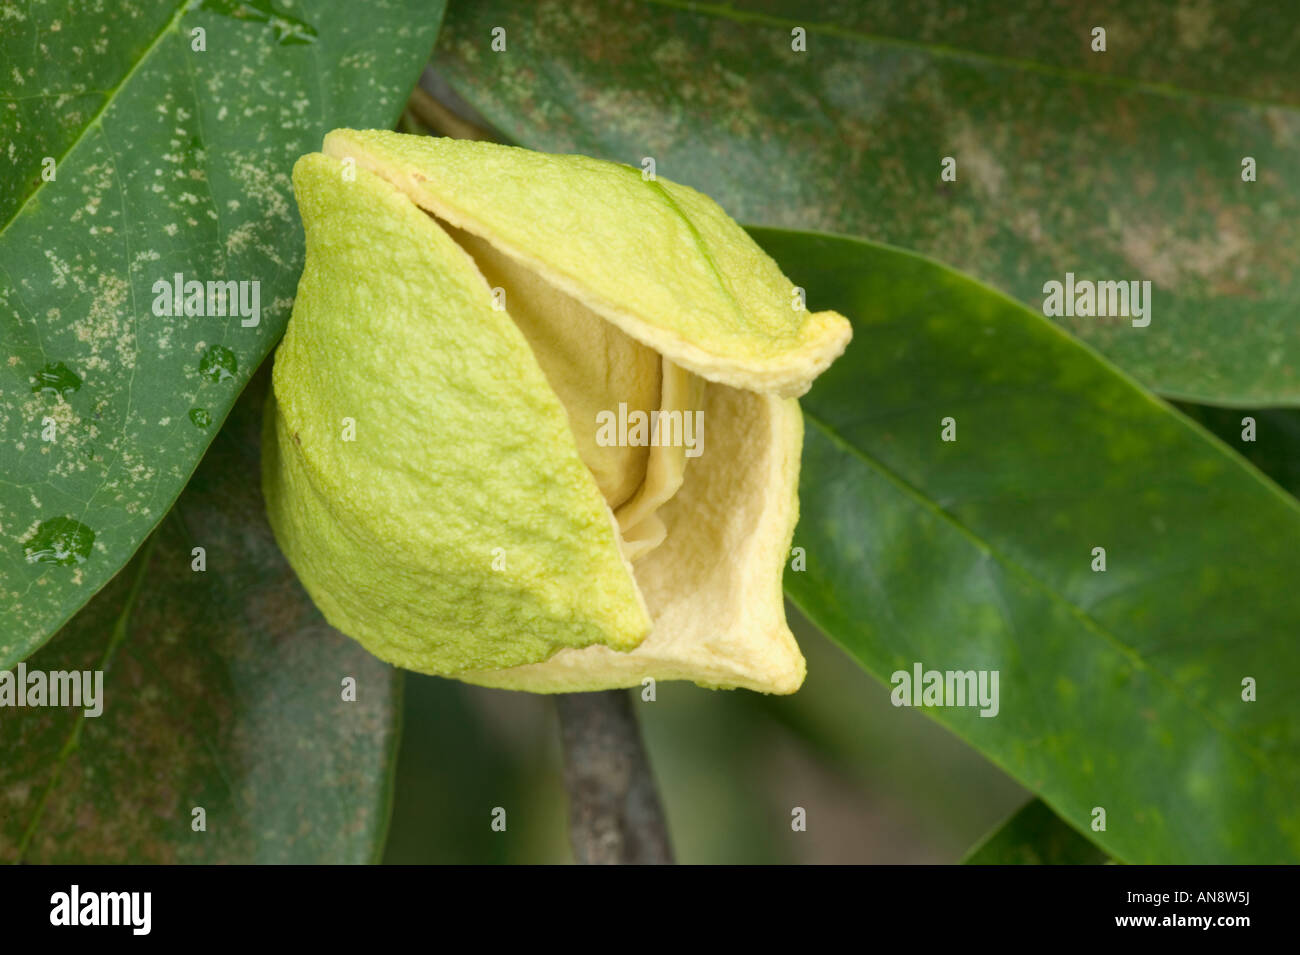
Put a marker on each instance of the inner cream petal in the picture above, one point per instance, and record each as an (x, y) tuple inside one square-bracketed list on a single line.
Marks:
[(675, 426), (600, 373), (714, 587), (590, 364)]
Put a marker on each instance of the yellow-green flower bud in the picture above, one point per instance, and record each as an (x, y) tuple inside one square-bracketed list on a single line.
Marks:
[(452, 459)]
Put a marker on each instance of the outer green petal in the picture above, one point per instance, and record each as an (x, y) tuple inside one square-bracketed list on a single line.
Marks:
[(714, 584), (659, 260), (462, 455)]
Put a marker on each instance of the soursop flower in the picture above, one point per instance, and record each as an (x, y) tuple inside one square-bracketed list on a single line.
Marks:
[(533, 422)]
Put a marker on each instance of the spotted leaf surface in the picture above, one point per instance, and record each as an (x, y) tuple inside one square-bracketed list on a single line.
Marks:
[(170, 129), (223, 690)]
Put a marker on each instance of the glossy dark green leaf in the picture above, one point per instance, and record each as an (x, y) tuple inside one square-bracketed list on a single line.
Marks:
[(1268, 437), (222, 689), (169, 160), (1122, 165), (1120, 689), (1034, 835)]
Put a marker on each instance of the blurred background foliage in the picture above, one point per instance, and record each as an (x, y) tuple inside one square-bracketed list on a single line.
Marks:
[(880, 784)]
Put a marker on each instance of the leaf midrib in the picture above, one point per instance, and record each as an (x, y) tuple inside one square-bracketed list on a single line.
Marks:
[(111, 98), (725, 12), (1088, 622)]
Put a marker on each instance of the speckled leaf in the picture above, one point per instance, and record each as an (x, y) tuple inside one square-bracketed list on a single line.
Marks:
[(1122, 165), (1034, 835), (169, 160), (1120, 689), (222, 689)]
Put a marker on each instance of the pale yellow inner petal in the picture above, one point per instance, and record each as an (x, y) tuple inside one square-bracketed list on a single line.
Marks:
[(679, 424), (714, 588), (606, 381)]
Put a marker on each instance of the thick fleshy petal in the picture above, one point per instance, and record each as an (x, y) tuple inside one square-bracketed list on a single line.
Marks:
[(590, 364), (659, 260), (460, 529), (714, 585)]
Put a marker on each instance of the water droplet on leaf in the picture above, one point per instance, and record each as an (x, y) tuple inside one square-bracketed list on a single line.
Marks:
[(289, 31), (60, 540), (218, 363), (200, 417), (56, 378)]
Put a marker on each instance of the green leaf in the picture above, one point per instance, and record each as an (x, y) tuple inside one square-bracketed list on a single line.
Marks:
[(1122, 165), (1120, 689), (1034, 835), (222, 689), (170, 160), (1275, 448)]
